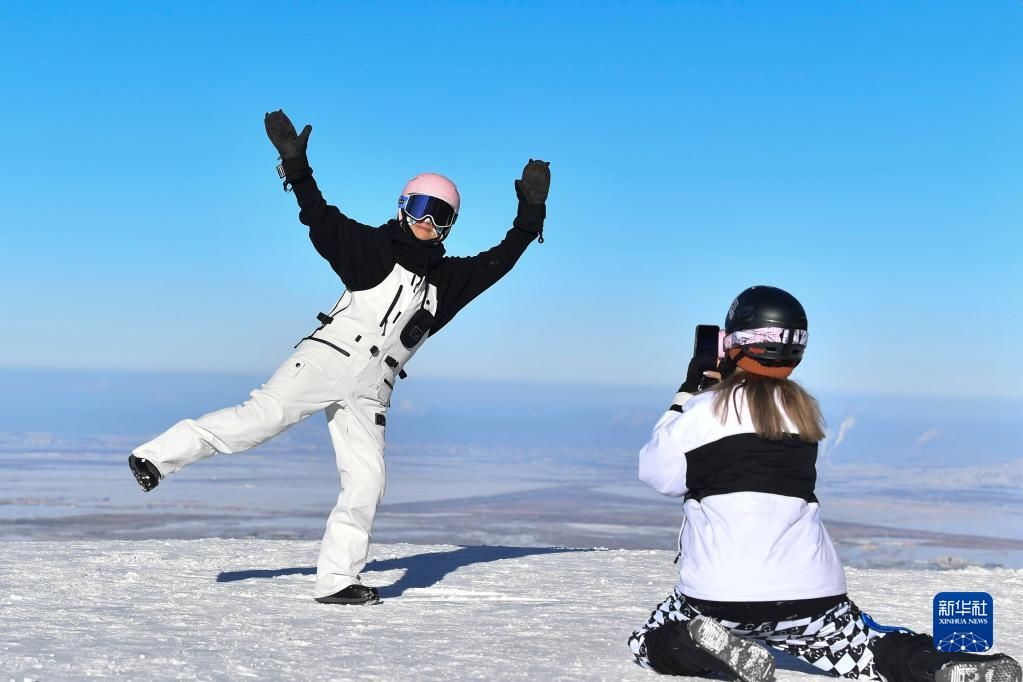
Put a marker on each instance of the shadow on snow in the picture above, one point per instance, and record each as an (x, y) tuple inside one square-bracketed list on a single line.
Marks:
[(421, 570), (428, 569)]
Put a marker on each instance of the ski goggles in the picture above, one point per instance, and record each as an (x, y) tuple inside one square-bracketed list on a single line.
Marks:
[(419, 207), (765, 335)]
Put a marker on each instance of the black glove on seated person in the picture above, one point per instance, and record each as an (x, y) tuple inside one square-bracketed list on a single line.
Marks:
[(694, 374)]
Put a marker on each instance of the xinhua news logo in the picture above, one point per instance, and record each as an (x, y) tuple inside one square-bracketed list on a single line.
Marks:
[(964, 621)]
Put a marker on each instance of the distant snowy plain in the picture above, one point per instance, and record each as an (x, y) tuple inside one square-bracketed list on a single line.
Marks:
[(79, 488), (217, 609)]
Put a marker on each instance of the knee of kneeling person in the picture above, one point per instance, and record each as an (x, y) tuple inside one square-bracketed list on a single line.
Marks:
[(670, 650)]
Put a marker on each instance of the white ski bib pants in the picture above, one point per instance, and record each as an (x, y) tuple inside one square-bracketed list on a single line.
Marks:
[(348, 369)]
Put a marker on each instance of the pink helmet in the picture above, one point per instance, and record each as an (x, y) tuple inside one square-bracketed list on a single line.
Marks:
[(425, 185), (435, 185)]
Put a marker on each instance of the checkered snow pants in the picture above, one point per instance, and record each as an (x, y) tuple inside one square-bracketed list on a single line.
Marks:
[(835, 641)]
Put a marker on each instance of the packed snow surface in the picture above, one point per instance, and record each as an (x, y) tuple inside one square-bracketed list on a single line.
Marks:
[(242, 609)]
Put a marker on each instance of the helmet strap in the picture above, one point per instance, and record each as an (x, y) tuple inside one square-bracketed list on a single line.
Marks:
[(406, 224)]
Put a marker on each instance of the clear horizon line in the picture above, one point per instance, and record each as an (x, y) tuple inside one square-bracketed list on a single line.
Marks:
[(256, 373)]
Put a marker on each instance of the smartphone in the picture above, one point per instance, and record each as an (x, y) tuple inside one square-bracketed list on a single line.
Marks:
[(707, 350), (707, 342)]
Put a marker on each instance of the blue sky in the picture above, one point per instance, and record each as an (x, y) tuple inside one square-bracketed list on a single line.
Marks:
[(863, 155)]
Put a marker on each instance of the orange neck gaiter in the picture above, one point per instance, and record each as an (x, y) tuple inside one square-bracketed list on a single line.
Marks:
[(753, 367)]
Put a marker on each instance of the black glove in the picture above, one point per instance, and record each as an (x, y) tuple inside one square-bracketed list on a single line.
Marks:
[(281, 132), (535, 182), (695, 380)]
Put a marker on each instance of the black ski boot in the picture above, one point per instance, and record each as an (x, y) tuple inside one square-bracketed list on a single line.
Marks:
[(702, 647), (902, 657), (996, 668), (353, 594), (743, 659), (145, 472)]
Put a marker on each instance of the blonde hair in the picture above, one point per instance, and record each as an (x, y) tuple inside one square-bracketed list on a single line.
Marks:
[(763, 395)]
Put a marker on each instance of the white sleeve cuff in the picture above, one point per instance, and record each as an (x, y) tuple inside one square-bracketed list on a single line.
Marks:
[(681, 398)]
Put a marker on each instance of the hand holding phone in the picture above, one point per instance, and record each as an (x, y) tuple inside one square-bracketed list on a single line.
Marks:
[(706, 352)]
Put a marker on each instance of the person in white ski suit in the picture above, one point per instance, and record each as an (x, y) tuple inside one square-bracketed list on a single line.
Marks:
[(756, 565), (401, 289)]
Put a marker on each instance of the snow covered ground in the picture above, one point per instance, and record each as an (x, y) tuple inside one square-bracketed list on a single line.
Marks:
[(210, 575), (242, 609)]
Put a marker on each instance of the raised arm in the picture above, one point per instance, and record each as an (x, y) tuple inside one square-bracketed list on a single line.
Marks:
[(662, 461), (463, 279), (342, 241)]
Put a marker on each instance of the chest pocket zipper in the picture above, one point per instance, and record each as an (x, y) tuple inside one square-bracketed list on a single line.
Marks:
[(383, 322)]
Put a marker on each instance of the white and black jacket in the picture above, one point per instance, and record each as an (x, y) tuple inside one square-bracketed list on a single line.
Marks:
[(751, 524), (390, 276)]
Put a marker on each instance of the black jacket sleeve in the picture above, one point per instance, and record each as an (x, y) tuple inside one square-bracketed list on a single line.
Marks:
[(460, 280), (359, 254)]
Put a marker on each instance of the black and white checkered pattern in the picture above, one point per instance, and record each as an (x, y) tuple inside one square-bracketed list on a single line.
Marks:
[(836, 641)]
